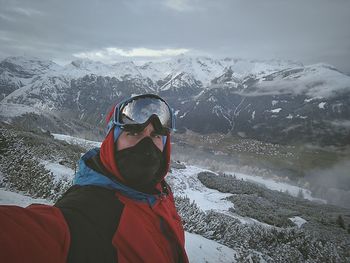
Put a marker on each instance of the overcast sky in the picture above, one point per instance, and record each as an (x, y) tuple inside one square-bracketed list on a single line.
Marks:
[(309, 31)]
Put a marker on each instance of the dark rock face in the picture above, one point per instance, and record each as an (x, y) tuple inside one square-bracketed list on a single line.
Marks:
[(277, 118)]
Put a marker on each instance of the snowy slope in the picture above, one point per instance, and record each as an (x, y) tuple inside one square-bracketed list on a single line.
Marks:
[(59, 172), (315, 81), (273, 75), (78, 141), (45, 92), (12, 198), (278, 186), (31, 65), (82, 67), (11, 110), (202, 68), (200, 249), (186, 183)]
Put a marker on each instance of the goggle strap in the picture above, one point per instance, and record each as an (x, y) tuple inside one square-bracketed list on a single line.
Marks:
[(110, 125), (173, 119)]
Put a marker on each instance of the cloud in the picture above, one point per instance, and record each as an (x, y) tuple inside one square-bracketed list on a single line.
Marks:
[(332, 184), (341, 124), (250, 29), (178, 5), (182, 5), (3, 37), (6, 17), (26, 11), (146, 52), (112, 54)]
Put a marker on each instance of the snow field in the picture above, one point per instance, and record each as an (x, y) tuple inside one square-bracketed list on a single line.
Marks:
[(187, 184), (298, 221), (18, 199), (60, 172), (278, 186), (10, 110), (200, 249), (78, 141)]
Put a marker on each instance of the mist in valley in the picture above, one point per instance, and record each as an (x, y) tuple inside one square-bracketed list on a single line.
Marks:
[(331, 183)]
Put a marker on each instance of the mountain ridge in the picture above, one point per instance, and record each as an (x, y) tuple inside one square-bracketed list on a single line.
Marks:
[(279, 102)]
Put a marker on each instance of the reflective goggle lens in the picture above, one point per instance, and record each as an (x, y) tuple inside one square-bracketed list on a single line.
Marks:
[(140, 109)]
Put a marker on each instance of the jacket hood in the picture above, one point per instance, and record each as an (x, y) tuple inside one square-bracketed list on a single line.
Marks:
[(107, 151)]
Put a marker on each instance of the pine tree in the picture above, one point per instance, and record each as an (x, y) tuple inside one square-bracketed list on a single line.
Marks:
[(340, 222), (301, 194)]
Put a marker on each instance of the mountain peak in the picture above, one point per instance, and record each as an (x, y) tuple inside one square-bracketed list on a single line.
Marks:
[(29, 65), (86, 63)]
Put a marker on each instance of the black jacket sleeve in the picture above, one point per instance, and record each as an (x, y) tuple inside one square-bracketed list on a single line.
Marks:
[(92, 214)]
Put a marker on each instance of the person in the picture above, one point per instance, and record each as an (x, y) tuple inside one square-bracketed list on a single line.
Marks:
[(119, 209)]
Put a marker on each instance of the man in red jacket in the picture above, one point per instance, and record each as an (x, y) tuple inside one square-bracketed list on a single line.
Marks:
[(119, 209)]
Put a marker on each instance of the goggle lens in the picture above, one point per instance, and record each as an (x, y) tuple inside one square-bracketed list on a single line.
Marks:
[(140, 109)]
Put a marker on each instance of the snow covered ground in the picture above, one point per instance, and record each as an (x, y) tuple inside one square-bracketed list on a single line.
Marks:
[(200, 249), (78, 141), (18, 199), (11, 110), (186, 183), (278, 186), (59, 172), (298, 221)]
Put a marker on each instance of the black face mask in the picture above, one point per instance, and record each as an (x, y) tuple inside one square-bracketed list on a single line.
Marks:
[(141, 165)]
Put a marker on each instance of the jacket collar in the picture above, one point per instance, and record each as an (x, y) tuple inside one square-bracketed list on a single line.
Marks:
[(88, 176)]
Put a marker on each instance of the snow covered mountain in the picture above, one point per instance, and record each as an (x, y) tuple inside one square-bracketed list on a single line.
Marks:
[(276, 101)]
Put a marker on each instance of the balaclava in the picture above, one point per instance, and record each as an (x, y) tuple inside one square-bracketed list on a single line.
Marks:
[(140, 167)]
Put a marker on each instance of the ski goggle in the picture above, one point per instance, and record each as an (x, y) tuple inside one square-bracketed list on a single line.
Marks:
[(136, 112)]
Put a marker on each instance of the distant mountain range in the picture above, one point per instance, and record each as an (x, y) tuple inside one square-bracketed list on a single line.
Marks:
[(275, 101)]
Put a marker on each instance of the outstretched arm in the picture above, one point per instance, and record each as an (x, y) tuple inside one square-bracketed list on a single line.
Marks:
[(37, 233)]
